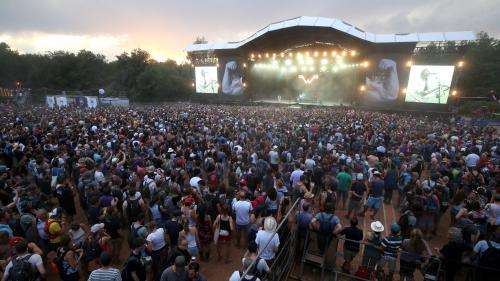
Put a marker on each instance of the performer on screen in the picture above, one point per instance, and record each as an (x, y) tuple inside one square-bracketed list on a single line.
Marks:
[(383, 85), (232, 83)]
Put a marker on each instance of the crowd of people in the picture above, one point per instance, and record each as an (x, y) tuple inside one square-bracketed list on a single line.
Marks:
[(181, 184)]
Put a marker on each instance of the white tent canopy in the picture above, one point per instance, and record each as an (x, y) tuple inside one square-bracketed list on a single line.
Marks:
[(343, 27)]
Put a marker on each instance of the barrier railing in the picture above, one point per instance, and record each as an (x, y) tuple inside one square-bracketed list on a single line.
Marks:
[(283, 261)]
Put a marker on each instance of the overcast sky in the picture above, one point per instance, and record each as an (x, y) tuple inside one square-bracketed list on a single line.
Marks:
[(165, 27)]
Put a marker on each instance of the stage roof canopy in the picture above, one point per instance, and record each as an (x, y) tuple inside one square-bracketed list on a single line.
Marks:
[(341, 26)]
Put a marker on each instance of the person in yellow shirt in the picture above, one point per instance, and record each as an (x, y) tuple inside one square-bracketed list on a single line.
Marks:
[(54, 229)]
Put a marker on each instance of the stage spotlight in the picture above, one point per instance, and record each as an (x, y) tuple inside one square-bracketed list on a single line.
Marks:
[(353, 53), (316, 54), (334, 53), (324, 61), (244, 84), (307, 53), (217, 65), (461, 63), (362, 88), (274, 55), (282, 55), (192, 85), (259, 56), (344, 53), (288, 62), (366, 64), (252, 55), (244, 65), (290, 55), (409, 63), (454, 93), (325, 53), (267, 55)]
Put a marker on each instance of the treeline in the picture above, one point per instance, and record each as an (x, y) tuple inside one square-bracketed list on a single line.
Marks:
[(140, 78), (481, 71), (134, 74)]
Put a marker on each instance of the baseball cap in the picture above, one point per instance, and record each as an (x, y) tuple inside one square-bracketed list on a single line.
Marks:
[(395, 228)]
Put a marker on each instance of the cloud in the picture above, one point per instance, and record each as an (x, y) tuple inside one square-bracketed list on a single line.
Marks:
[(166, 27)]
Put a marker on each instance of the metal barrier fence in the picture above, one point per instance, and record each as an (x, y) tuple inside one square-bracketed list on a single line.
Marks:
[(283, 261), (364, 265), (368, 263)]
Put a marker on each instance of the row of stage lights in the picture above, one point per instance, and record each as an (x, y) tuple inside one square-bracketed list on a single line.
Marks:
[(315, 54), (309, 68)]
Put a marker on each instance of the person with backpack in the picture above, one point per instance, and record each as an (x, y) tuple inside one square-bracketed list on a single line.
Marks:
[(489, 257), (303, 219), (133, 206), (134, 268), (25, 265), (327, 224), (430, 212)]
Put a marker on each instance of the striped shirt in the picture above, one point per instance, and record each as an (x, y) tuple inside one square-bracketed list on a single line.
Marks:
[(105, 274), (391, 245)]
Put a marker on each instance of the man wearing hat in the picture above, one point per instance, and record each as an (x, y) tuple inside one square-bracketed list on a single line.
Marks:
[(176, 272), (373, 250)]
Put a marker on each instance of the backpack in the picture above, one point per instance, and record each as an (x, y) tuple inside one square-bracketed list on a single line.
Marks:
[(133, 209), (490, 258), (21, 269), (326, 226), (134, 233), (126, 273), (431, 205), (92, 250)]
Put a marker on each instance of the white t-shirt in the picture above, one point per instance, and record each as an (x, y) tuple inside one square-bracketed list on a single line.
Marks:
[(194, 182), (242, 210), (236, 277), (471, 160), (295, 176), (273, 157), (482, 246), (35, 260), (262, 238), (157, 239)]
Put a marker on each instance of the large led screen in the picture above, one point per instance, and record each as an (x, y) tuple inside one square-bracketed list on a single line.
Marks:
[(429, 83), (382, 81), (232, 78), (206, 79)]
